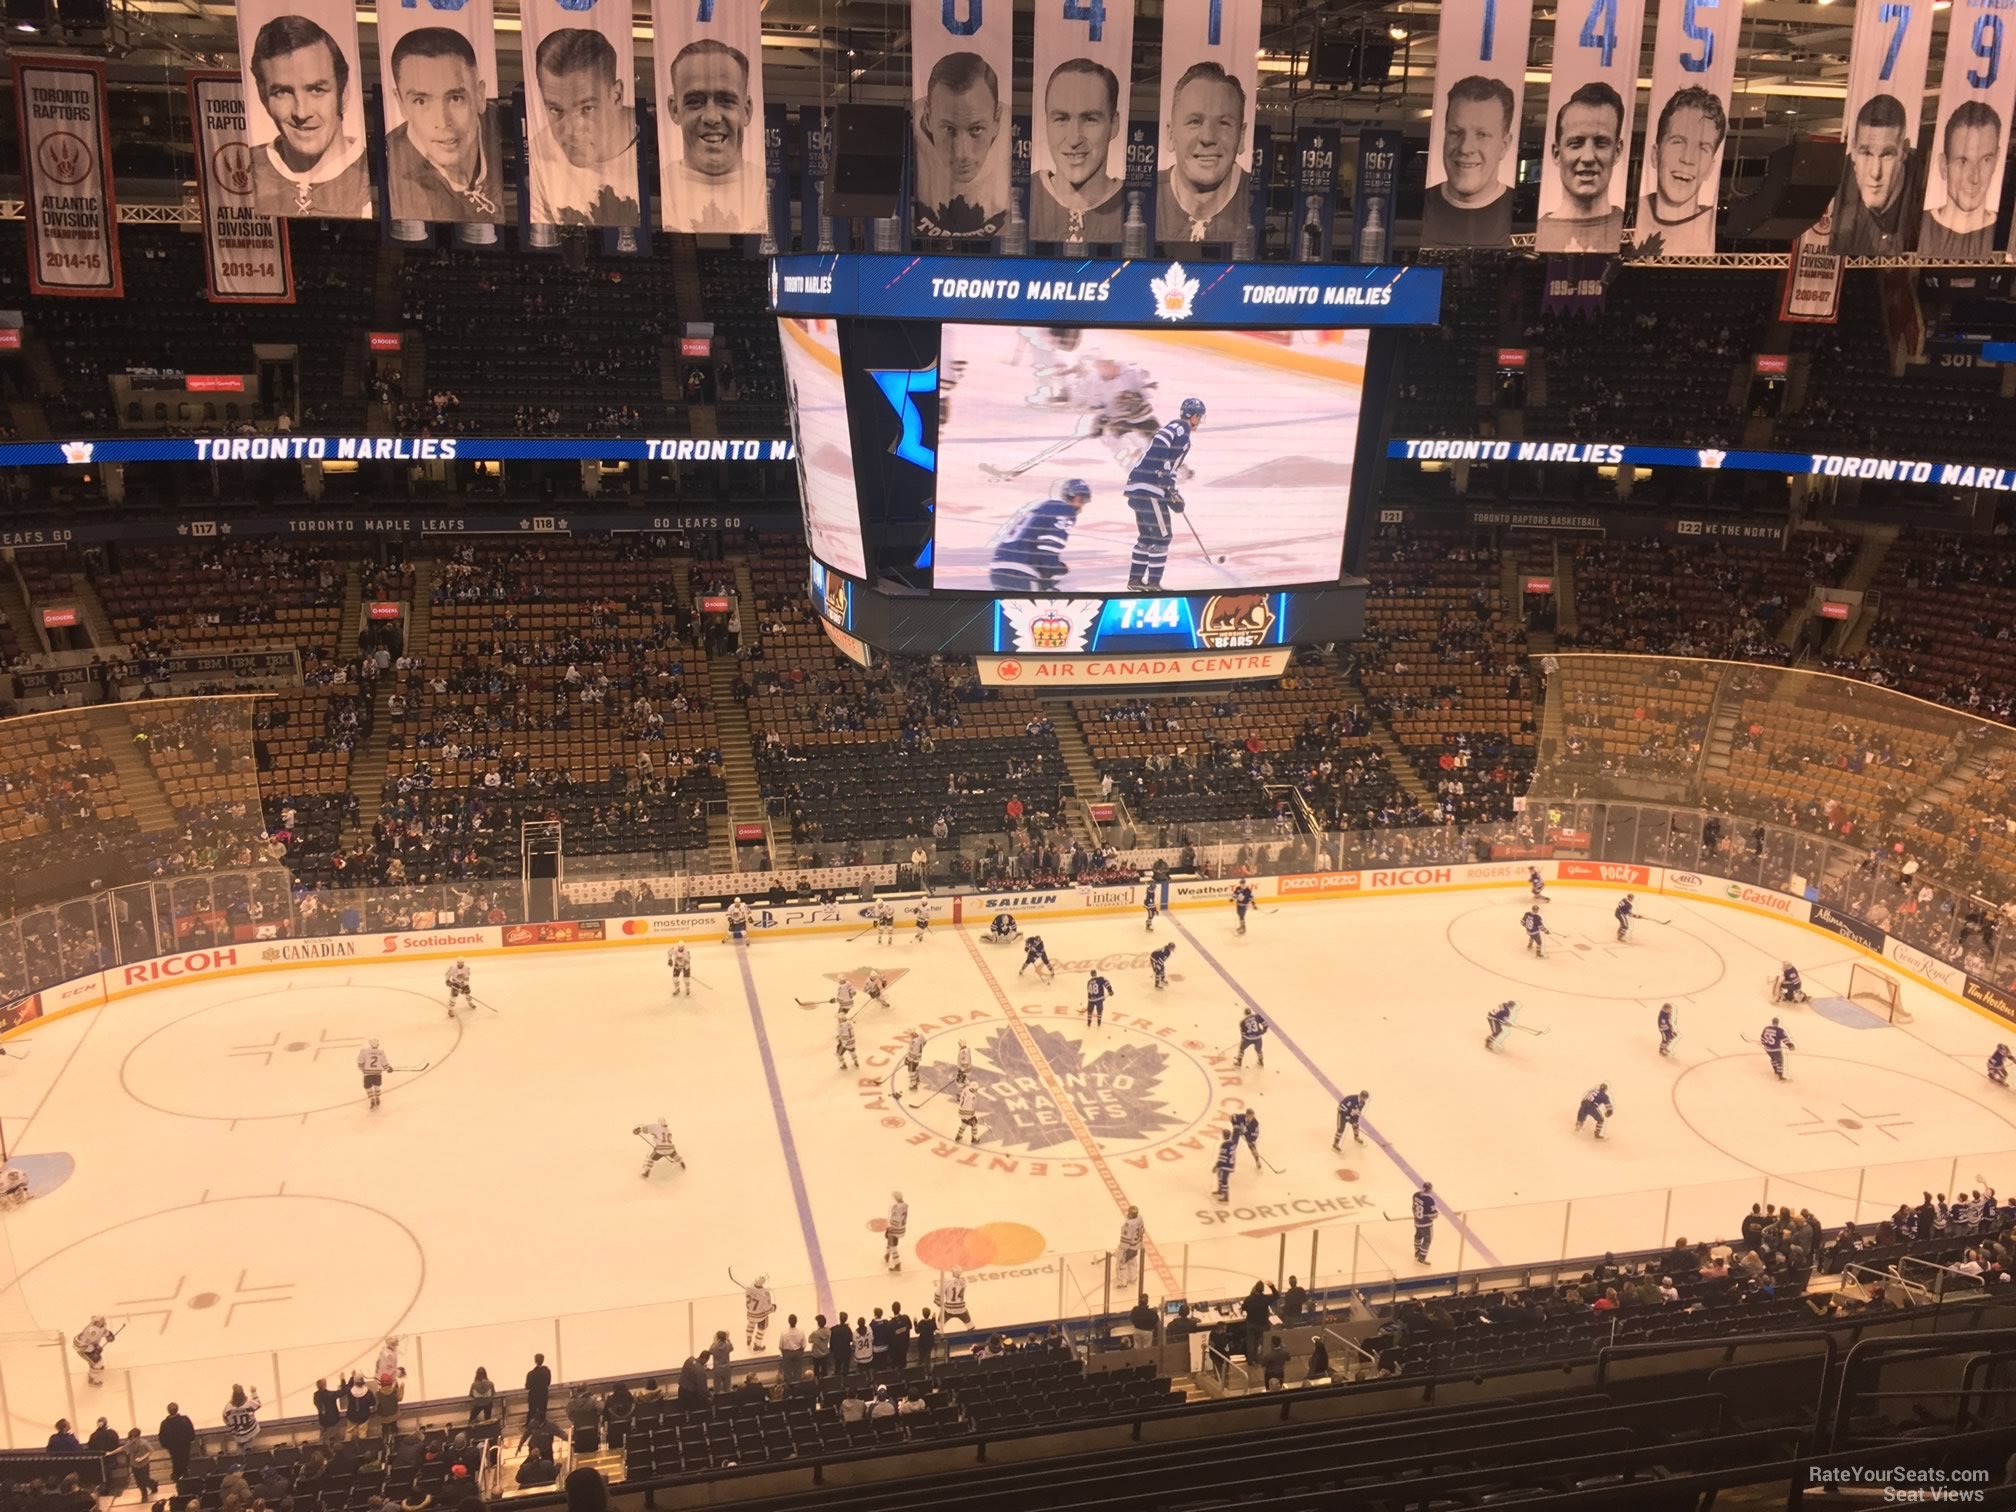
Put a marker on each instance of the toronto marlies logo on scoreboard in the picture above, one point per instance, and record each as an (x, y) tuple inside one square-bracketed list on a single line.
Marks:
[(1050, 624), (1116, 1094), (1175, 293)]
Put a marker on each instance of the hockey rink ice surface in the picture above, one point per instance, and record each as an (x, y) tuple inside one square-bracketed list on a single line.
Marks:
[(1271, 431), (236, 1205)]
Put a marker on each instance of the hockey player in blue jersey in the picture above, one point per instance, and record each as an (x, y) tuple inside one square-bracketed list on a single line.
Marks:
[(1029, 549), (1252, 1028), (1349, 1110), (1535, 928), (1223, 1167), (1242, 899), (1246, 1126), (1595, 1104), (1097, 990), (1776, 1042), (1998, 1066), (1153, 496), (1626, 912), (1668, 1030), (1495, 1022), (1424, 1220), (1158, 962), (1003, 928), (1150, 906), (1538, 883), (1786, 986), (1034, 954)]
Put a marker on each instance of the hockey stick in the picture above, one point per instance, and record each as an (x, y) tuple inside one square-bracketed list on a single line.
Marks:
[(1216, 561), (16, 1053), (814, 1002), (861, 936), (484, 1004), (1009, 474), (407, 1070), (926, 1097), (1277, 1170), (1522, 1028)]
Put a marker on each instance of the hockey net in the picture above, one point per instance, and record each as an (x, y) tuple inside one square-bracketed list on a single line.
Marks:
[(1877, 991)]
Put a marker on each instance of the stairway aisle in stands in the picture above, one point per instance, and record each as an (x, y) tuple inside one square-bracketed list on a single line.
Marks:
[(1078, 766), (138, 785), (1852, 638), (370, 765), (19, 613), (91, 608), (738, 761), (348, 627), (420, 620), (1388, 743)]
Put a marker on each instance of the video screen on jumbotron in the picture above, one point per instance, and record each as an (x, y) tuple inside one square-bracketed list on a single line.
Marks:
[(825, 455), (1264, 490)]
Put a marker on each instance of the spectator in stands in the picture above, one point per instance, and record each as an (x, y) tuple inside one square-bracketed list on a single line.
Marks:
[(538, 1384), (820, 1343), (587, 1491), (925, 1339), (692, 1383), (912, 1402), (1182, 1325), (1274, 1366), (241, 1417), (1876, 208), (853, 1407), (178, 1436), (139, 1455), (1144, 1320), (791, 1351), (720, 1352), (539, 1468), (1258, 1313), (445, 160), (312, 166), (584, 161), (482, 1397), (881, 1407), (1471, 207), (616, 1414), (63, 1441)]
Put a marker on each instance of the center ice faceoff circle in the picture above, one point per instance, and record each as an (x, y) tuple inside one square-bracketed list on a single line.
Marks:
[(1664, 960)]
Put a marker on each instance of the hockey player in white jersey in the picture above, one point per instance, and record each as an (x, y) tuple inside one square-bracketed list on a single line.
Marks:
[(843, 1044), (374, 1063), (458, 986), (658, 1134), (922, 914), (843, 994), (738, 922), (913, 1056), (892, 1233), (681, 962), (950, 1295), (964, 1063), (90, 1344), (1115, 395), (1133, 1233), (757, 1307), (877, 987), (969, 1115), (1053, 352), (885, 923)]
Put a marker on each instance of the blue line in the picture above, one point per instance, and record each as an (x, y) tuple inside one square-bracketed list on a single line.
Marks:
[(1407, 1170), (821, 1286)]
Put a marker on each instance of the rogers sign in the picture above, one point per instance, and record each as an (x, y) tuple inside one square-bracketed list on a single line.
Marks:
[(168, 968)]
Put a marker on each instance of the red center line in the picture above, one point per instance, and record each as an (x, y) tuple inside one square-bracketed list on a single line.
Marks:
[(1072, 1121)]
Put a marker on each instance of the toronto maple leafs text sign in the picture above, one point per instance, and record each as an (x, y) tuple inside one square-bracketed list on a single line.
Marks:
[(1154, 292)]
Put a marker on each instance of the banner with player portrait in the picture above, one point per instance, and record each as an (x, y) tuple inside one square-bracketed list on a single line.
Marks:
[(66, 161), (1586, 145), (963, 56), (1210, 76), (1882, 192), (707, 63), (1078, 104), (580, 66), (304, 97), (444, 144), (1686, 128), (1473, 137), (1970, 140), (246, 257)]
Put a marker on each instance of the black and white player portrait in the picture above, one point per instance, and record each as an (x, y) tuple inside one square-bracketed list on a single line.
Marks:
[(1588, 143), (1962, 225), (308, 150), (1676, 216), (1080, 197), (1201, 193), (582, 127), (1876, 209), (1207, 460), (1471, 204), (444, 153), (714, 175), (962, 150)]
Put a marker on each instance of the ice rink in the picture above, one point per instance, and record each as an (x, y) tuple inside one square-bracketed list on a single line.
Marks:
[(233, 1201), (1281, 423)]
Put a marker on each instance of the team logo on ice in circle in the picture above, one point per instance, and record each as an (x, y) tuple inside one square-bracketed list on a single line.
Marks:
[(1117, 1094), (1175, 293)]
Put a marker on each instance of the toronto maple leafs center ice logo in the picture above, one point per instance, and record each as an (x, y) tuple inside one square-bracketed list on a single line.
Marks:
[(1175, 293), (1116, 1095)]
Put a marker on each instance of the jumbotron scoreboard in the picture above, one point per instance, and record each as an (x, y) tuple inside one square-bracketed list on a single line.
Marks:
[(947, 410)]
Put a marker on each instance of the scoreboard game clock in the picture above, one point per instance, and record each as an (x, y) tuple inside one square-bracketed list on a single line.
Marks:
[(1024, 456)]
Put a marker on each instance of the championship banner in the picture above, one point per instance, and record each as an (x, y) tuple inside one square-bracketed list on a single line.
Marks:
[(580, 67), (1137, 232), (246, 257), (707, 62), (1812, 293), (1882, 193), (444, 141), (1079, 93), (964, 57), (1373, 193), (776, 177), (1263, 176), (1019, 128), (1586, 153), (1964, 168), (1576, 284), (1210, 73), (1315, 179), (1686, 129), (307, 130), (66, 162), (815, 154), (1473, 137)]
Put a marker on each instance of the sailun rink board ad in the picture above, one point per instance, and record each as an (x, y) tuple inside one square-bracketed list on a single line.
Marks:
[(1988, 998)]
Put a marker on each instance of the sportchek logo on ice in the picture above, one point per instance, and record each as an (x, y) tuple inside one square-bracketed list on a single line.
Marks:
[(170, 968)]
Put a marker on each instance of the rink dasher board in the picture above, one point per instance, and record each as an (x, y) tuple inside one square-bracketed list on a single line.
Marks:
[(978, 909)]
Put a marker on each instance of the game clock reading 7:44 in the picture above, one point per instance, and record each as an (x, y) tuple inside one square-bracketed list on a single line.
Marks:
[(1127, 615)]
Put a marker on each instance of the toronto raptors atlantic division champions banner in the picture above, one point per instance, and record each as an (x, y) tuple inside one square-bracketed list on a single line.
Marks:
[(245, 252), (66, 159), (707, 59), (1078, 148), (1586, 160), (961, 100), (1970, 142), (1882, 190), (1686, 127), (1473, 137)]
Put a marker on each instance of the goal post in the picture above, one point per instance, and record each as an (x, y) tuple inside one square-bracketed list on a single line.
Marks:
[(1878, 991)]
